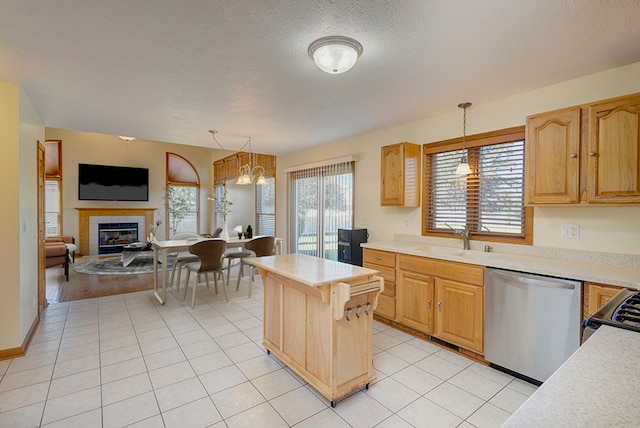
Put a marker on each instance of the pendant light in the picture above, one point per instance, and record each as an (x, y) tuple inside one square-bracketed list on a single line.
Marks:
[(463, 167)]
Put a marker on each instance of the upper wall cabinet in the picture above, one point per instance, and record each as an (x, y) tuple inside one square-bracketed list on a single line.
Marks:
[(400, 175), (228, 168), (552, 157), (613, 156), (586, 154)]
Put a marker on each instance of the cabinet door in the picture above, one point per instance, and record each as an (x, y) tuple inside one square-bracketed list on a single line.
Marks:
[(218, 173), (415, 301), (459, 316), (400, 175), (599, 294), (231, 168), (552, 158), (613, 151)]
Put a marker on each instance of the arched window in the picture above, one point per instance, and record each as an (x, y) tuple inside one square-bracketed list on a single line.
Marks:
[(182, 207)]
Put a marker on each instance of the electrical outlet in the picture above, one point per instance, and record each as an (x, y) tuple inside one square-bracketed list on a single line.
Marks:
[(408, 222), (570, 231), (363, 222)]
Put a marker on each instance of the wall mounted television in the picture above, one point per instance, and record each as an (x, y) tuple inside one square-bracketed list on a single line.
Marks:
[(112, 183)]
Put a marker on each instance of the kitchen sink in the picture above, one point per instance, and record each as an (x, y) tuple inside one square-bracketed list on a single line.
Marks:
[(473, 254), (440, 250)]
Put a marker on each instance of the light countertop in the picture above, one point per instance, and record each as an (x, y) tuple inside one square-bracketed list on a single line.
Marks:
[(596, 387), (310, 270), (624, 276)]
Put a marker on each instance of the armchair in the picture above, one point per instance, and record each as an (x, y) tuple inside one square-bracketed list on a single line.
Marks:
[(57, 253), (68, 240)]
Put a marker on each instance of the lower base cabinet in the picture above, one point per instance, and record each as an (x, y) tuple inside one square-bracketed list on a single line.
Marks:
[(442, 299), (460, 314)]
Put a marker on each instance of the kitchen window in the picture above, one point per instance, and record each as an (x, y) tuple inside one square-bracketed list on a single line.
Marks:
[(490, 200)]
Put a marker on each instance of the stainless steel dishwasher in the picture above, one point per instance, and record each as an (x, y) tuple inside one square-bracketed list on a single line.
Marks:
[(532, 322)]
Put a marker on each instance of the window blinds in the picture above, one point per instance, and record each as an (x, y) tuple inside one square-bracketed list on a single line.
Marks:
[(488, 201)]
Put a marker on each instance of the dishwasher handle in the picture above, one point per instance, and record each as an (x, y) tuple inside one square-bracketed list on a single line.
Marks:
[(529, 279)]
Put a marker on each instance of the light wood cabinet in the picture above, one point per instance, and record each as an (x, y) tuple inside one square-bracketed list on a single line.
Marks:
[(320, 327), (416, 301), (459, 314), (443, 299), (552, 157), (231, 166), (588, 154), (596, 295), (613, 166), (218, 173), (228, 168), (400, 175), (385, 263)]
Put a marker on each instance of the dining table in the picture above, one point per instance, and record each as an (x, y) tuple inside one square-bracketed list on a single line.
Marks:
[(161, 250)]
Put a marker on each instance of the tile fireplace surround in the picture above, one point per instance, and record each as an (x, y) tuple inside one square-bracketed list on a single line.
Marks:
[(142, 216)]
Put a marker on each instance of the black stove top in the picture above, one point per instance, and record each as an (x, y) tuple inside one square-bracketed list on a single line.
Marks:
[(622, 311)]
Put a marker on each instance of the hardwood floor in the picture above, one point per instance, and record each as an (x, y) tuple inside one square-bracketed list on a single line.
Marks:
[(83, 286)]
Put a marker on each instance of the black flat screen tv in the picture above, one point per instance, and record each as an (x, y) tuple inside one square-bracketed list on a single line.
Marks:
[(112, 183)]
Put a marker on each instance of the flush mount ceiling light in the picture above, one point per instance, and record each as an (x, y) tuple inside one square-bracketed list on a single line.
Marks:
[(463, 167), (127, 139), (335, 54)]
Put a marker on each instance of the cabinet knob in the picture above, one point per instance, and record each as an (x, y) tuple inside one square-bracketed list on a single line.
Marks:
[(429, 304), (573, 155), (592, 153), (399, 174), (439, 307), (378, 258)]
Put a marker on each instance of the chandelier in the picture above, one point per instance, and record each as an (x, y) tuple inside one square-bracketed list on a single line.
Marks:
[(247, 173)]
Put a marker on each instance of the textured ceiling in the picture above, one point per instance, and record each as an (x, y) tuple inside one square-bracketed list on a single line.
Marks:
[(171, 70)]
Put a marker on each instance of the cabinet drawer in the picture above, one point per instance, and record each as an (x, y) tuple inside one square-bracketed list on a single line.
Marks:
[(377, 257), (389, 289), (386, 307), (469, 274), (389, 274)]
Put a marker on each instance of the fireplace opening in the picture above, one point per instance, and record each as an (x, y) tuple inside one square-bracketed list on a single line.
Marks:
[(113, 236)]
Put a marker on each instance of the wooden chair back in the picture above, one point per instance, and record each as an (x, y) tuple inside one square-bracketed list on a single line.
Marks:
[(262, 245), (210, 253)]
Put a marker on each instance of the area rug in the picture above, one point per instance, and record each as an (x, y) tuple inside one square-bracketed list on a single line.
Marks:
[(113, 266)]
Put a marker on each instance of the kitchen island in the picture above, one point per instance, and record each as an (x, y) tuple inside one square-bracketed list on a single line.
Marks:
[(318, 319)]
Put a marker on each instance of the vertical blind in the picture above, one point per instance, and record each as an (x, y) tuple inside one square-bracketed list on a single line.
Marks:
[(321, 201), (488, 201), (266, 208)]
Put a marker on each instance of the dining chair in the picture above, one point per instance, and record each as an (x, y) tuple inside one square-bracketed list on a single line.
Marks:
[(182, 257), (209, 255), (259, 247)]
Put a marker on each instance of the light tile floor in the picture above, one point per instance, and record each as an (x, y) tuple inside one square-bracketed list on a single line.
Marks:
[(126, 360)]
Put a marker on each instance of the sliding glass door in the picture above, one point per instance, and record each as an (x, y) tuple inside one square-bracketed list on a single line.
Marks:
[(321, 199)]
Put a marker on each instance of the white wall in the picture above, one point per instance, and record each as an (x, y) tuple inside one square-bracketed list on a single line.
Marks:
[(610, 229), (10, 224), (31, 131), (86, 147), (243, 210)]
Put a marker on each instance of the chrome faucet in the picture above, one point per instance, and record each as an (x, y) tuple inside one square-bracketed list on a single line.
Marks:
[(464, 234)]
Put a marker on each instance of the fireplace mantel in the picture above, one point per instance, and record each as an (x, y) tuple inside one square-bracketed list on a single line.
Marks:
[(86, 213)]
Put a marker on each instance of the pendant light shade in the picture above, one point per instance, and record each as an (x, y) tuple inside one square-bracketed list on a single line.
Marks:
[(463, 167), (335, 54)]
